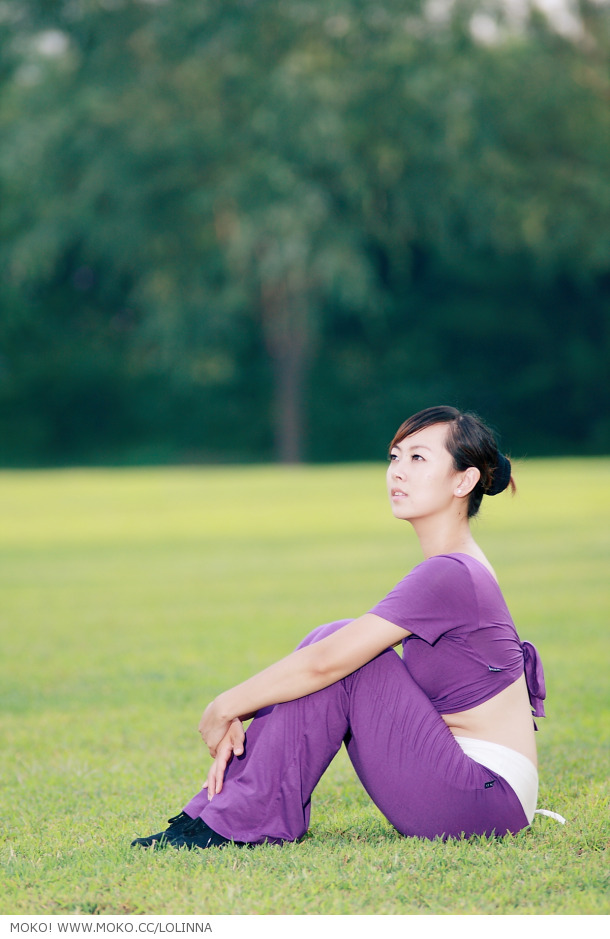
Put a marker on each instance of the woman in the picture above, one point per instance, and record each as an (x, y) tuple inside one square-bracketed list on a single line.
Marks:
[(443, 738)]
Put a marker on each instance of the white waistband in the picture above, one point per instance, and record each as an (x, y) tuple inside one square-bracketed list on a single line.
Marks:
[(519, 772)]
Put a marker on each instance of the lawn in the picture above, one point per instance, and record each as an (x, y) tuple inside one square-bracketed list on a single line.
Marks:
[(129, 598)]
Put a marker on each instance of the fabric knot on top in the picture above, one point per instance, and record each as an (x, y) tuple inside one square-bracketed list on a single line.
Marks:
[(534, 677)]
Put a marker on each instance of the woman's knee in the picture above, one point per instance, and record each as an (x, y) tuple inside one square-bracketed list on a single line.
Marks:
[(321, 632)]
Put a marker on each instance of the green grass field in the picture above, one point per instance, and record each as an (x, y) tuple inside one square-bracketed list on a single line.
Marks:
[(129, 598)]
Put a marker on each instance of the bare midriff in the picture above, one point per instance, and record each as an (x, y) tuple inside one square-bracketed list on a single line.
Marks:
[(505, 719)]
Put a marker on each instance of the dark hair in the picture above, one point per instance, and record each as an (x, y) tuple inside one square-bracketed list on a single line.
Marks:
[(471, 443)]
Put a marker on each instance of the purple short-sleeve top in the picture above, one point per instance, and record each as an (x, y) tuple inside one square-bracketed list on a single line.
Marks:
[(463, 648)]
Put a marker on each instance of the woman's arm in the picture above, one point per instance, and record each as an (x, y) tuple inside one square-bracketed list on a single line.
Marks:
[(302, 672)]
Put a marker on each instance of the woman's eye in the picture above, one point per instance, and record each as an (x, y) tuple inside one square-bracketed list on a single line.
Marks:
[(392, 457), (417, 456)]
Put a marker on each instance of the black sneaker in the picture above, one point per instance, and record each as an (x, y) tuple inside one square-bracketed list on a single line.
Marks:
[(198, 835), (176, 826)]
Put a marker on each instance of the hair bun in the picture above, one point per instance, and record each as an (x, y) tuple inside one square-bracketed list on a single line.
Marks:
[(501, 476)]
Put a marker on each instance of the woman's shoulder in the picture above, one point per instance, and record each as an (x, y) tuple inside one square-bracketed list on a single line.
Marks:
[(449, 565), (459, 576), (436, 596), (444, 575), (461, 564)]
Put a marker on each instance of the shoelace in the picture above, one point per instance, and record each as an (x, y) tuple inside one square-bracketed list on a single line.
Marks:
[(177, 818)]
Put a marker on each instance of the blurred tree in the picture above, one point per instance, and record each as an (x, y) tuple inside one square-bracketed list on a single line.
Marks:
[(282, 222)]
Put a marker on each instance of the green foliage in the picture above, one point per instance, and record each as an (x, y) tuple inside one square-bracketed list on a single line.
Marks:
[(130, 598), (276, 220)]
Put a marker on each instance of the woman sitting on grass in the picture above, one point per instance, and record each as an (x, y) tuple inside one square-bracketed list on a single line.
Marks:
[(442, 739)]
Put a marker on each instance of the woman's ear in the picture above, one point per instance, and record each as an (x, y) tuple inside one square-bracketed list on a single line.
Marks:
[(467, 481)]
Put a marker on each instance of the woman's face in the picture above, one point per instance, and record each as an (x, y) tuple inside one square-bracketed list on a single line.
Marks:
[(421, 479)]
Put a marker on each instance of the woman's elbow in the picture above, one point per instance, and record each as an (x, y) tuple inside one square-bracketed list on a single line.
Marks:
[(325, 670)]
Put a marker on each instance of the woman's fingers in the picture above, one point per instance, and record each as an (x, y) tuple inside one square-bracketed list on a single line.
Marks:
[(237, 736), (231, 743), (210, 783), (217, 771)]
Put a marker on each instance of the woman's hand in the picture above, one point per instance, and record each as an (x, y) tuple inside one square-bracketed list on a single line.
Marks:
[(231, 743), (213, 726)]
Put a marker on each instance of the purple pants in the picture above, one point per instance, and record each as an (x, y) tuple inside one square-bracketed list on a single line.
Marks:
[(403, 752)]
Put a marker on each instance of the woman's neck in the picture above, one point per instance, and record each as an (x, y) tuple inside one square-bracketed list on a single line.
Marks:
[(452, 537), (452, 541)]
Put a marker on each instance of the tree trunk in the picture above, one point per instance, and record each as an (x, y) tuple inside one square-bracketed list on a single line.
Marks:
[(287, 334)]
